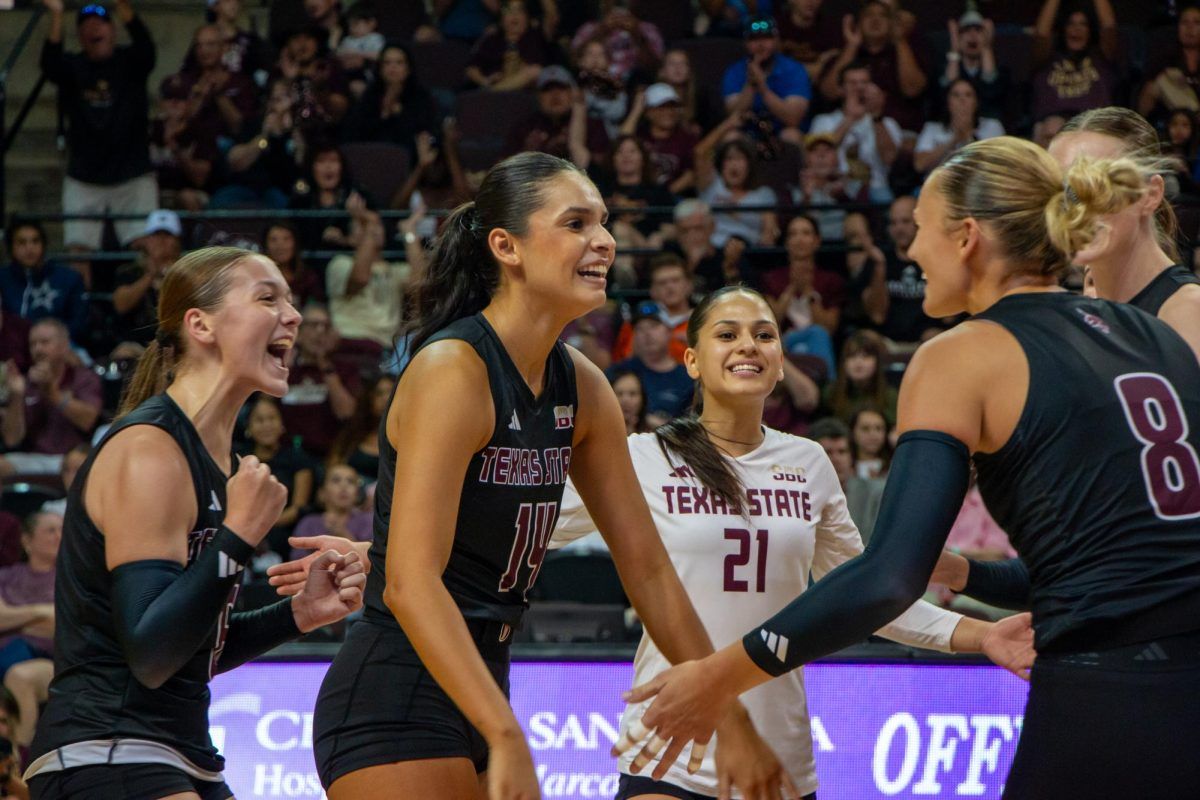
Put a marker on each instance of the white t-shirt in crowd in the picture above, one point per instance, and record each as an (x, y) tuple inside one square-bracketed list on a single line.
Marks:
[(859, 139), (936, 134), (744, 224), (374, 311), (740, 571)]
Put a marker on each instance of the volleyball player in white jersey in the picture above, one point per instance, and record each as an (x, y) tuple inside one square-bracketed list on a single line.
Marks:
[(741, 568)]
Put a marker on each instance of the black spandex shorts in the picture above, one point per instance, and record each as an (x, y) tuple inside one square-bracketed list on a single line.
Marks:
[(127, 781), (379, 704), (632, 786), (1112, 725)]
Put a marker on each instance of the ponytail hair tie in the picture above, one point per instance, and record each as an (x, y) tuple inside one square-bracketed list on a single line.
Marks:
[(1069, 196), (164, 339)]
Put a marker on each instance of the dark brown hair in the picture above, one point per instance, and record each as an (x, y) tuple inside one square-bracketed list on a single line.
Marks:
[(845, 395), (687, 438), (362, 422), (198, 280)]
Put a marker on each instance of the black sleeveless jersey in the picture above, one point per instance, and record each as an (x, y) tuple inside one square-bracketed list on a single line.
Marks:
[(94, 695), (510, 494), (1151, 298), (1099, 485)]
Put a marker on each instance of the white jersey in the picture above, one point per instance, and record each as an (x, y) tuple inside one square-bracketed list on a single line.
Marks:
[(739, 571)]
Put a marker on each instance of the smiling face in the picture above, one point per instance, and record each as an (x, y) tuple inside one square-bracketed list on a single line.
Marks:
[(937, 249), (737, 356), (97, 38), (253, 328), (565, 252)]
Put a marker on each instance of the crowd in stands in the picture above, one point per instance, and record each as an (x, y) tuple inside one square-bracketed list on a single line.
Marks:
[(776, 143)]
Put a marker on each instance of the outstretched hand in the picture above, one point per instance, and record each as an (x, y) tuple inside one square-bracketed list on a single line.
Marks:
[(1009, 643), (289, 577)]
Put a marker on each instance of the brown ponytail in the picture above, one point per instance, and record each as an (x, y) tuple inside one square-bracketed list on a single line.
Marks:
[(687, 438), (198, 280)]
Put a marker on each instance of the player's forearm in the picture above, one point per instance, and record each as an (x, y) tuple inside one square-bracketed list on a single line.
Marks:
[(438, 632), (1004, 584)]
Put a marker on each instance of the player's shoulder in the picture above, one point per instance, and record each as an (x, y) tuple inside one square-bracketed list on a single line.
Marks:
[(789, 451), (644, 448)]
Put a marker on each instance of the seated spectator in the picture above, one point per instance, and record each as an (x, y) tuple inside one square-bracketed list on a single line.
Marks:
[(633, 46), (135, 298), (357, 444), (594, 335), (811, 37), (960, 124), (1074, 59), (709, 267), (550, 129), (822, 183), (325, 17), (668, 386), (322, 96), (604, 92), (772, 88), (727, 178), (218, 101), (894, 296), (671, 290), (51, 409), (700, 113), (861, 379), (32, 288), (631, 396), (511, 56), (281, 243), (290, 465), (728, 18), (868, 140), (870, 442), (365, 291), (1180, 144), (71, 463), (790, 404), (668, 142), (262, 168), (358, 52), (877, 40), (395, 107), (327, 186), (1174, 76), (27, 603), (436, 180), (321, 389), (183, 161), (245, 52), (632, 185), (340, 497), (972, 58), (809, 305), (102, 91), (863, 495)]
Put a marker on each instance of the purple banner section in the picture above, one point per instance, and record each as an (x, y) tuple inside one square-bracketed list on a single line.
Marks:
[(879, 731)]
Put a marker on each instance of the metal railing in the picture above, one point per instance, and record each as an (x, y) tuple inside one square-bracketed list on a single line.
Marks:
[(9, 134)]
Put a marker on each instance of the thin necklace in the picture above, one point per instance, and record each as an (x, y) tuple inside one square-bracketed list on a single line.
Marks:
[(731, 441)]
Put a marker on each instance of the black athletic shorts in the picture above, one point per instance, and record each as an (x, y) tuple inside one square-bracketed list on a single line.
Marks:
[(1112, 725), (126, 781), (632, 786), (379, 704)]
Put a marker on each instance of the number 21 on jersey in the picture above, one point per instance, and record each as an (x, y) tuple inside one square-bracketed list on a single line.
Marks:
[(1170, 466)]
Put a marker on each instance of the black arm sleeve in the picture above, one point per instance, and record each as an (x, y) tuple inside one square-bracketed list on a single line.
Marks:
[(163, 613), (1004, 584), (252, 633), (925, 490)]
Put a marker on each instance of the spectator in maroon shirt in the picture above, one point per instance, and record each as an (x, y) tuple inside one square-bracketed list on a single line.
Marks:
[(657, 120), (321, 391), (561, 126), (807, 35), (62, 402), (511, 56), (14, 342), (879, 39), (182, 160), (219, 101)]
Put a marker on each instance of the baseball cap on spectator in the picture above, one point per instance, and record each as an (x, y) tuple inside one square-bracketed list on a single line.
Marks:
[(94, 10), (971, 19), (163, 220), (814, 139), (659, 94), (759, 28), (555, 75), (647, 309)]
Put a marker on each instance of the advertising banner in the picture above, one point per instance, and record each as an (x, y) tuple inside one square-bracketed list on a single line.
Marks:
[(879, 730)]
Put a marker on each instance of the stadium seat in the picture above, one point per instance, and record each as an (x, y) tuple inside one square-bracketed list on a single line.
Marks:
[(378, 167), (440, 65), (22, 499), (673, 18), (579, 578), (573, 622)]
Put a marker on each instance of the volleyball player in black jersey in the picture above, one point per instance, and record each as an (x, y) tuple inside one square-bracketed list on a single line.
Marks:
[(486, 421), (154, 541), (1084, 420), (1134, 261)]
